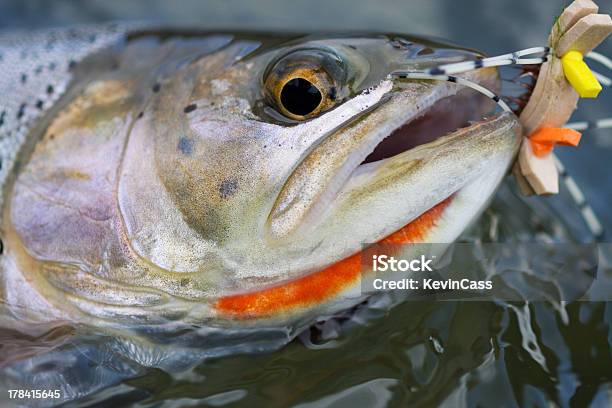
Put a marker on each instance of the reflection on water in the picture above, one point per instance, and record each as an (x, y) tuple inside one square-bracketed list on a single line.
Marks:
[(423, 353)]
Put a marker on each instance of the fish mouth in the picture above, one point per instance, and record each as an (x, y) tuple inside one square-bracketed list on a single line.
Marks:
[(445, 116), (417, 117)]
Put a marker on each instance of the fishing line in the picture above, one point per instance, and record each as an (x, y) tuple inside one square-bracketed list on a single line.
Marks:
[(602, 59), (513, 58), (579, 199), (585, 125), (461, 81), (443, 72), (604, 80), (606, 62)]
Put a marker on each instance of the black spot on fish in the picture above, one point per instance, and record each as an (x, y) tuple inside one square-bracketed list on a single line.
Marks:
[(1, 247), (92, 38), (156, 87), (352, 46), (49, 89), (185, 145), (39, 104), (21, 111), (140, 115), (190, 108), (52, 66), (2, 117), (38, 69), (184, 281), (71, 65), (24, 78), (227, 188)]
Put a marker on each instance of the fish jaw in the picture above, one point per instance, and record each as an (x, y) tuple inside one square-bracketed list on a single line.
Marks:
[(339, 284), (395, 191), (331, 191), (326, 289)]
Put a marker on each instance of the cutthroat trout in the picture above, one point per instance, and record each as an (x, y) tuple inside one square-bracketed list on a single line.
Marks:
[(152, 175)]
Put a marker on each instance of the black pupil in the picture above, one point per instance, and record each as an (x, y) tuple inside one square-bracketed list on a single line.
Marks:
[(300, 97)]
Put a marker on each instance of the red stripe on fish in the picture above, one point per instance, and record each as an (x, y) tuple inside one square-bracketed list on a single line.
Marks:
[(322, 285)]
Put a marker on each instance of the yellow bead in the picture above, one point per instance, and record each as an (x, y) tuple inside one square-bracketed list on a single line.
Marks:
[(579, 75)]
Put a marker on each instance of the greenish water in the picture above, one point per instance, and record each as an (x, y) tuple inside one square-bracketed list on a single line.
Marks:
[(414, 354)]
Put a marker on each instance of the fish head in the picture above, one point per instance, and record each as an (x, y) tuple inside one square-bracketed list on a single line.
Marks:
[(266, 162)]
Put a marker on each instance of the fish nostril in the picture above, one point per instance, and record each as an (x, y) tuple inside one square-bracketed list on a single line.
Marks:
[(425, 51)]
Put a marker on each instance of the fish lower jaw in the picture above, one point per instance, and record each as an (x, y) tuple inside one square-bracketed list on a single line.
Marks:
[(337, 286), (327, 290), (379, 198)]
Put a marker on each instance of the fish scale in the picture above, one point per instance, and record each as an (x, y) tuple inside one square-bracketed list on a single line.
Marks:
[(35, 70)]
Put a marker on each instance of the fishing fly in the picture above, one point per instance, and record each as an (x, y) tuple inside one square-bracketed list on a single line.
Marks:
[(574, 36)]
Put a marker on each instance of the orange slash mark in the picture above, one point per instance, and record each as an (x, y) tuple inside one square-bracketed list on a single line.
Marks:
[(324, 284), (543, 141)]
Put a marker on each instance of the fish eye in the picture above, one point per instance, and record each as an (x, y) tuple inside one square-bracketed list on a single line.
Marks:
[(304, 84)]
